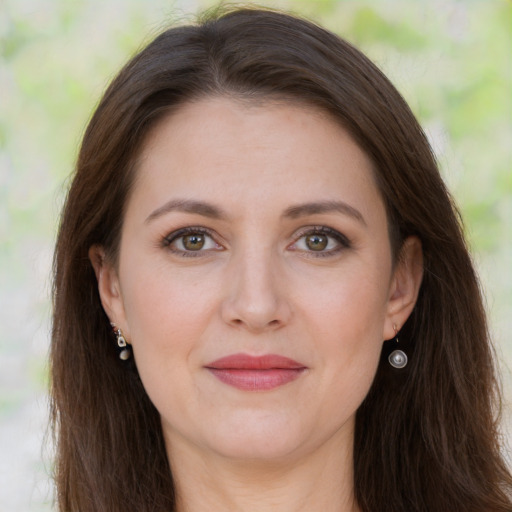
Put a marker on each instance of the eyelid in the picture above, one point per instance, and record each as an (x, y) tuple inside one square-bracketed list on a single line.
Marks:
[(172, 237), (341, 239)]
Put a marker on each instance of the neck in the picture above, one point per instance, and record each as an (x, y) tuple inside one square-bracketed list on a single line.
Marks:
[(323, 480)]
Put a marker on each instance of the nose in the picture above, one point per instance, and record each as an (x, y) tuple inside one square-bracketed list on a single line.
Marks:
[(257, 297)]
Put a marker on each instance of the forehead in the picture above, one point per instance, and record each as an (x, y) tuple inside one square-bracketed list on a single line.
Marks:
[(241, 153)]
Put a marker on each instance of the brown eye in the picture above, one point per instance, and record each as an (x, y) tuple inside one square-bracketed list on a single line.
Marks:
[(320, 241), (193, 242), (316, 242)]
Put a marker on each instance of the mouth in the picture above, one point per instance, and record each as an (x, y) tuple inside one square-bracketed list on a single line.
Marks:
[(256, 373)]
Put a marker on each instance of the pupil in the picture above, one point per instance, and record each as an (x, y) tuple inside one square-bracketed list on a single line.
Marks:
[(193, 242), (316, 242)]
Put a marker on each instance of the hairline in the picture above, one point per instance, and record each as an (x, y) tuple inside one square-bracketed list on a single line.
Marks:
[(248, 100)]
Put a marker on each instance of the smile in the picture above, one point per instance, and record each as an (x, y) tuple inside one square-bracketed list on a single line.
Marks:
[(260, 373)]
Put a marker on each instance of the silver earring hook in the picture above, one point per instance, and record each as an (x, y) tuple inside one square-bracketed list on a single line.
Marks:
[(121, 342), (398, 358)]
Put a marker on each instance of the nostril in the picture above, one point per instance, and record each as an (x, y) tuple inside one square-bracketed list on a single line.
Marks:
[(241, 322)]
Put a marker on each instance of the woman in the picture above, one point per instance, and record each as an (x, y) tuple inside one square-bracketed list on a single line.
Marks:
[(254, 210)]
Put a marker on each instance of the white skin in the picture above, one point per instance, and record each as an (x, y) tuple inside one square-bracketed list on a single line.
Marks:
[(257, 284)]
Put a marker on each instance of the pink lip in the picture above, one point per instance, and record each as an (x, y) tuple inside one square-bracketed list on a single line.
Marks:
[(258, 373)]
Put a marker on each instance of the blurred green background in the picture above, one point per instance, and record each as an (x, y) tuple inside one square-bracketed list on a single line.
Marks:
[(451, 59)]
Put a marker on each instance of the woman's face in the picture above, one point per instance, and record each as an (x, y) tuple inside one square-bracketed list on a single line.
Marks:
[(255, 278)]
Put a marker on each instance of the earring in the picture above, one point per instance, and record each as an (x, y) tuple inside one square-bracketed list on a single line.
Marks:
[(121, 343), (397, 358)]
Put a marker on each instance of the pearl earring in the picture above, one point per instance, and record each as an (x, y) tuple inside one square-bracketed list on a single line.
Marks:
[(397, 358), (121, 343)]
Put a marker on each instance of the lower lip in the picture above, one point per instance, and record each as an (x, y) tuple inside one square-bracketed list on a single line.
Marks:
[(256, 380)]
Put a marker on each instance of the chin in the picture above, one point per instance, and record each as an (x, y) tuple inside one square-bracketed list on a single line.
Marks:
[(261, 441), (258, 450)]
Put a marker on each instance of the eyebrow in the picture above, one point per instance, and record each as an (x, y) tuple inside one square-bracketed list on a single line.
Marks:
[(319, 207), (293, 212), (187, 206)]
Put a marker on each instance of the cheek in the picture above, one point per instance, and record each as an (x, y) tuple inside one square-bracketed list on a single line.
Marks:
[(167, 315), (346, 318), (161, 302), (349, 304), (168, 310), (348, 336)]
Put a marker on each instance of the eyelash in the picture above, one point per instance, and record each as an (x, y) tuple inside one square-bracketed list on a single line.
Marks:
[(341, 239), (176, 235)]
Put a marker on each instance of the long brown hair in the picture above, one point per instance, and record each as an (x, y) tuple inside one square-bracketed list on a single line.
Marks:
[(426, 436)]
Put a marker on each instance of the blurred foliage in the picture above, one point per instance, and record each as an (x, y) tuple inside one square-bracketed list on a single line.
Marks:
[(451, 59)]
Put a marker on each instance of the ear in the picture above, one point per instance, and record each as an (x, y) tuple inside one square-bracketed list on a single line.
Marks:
[(108, 287), (405, 286)]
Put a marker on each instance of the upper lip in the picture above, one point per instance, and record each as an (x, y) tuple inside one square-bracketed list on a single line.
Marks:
[(248, 362)]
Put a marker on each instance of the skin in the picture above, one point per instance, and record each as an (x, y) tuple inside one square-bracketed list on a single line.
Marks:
[(258, 285)]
